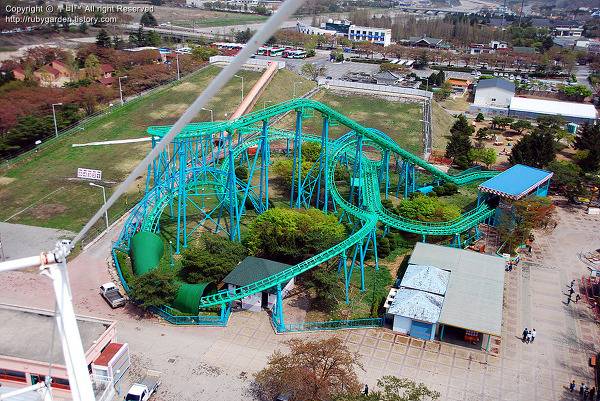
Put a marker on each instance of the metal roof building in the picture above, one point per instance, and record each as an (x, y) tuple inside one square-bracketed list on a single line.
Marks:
[(522, 107), (517, 182), (473, 300), (426, 278), (418, 305)]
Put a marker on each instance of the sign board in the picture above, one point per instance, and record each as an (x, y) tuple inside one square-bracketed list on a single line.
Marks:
[(89, 174)]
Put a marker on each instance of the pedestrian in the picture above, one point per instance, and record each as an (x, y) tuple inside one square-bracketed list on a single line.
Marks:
[(533, 334), (577, 298), (581, 388), (529, 248), (572, 386), (569, 299), (366, 390), (524, 335), (528, 337), (555, 224), (586, 393), (571, 291), (593, 394), (572, 283)]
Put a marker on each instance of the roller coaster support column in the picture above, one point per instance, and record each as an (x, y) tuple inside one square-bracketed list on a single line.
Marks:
[(234, 228), (324, 163), (357, 173), (181, 199), (264, 166), (408, 171), (386, 170), (278, 313), (297, 163)]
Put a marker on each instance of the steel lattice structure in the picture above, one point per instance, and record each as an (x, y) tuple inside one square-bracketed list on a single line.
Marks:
[(205, 155)]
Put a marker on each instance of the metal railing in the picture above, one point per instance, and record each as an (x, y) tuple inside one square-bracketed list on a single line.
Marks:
[(331, 325), (166, 312), (374, 88)]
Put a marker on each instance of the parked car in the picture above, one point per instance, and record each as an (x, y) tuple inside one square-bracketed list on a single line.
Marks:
[(143, 390), (112, 295)]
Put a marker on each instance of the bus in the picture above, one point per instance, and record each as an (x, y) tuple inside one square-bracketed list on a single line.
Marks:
[(270, 51), (292, 53)]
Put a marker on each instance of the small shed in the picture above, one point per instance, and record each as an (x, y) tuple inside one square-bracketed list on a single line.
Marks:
[(522, 107), (253, 269), (494, 92), (416, 313)]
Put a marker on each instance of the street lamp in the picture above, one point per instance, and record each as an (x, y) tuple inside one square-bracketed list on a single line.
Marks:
[(120, 90), (297, 82), (177, 58), (54, 116), (211, 114), (104, 196), (242, 78)]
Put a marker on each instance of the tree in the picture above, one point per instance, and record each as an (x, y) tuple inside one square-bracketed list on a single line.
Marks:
[(440, 78), (290, 235), (148, 19), (427, 208), (243, 36), (203, 53), (326, 285), (313, 71), (391, 388), (319, 370), (211, 259), (92, 67), (102, 39), (479, 117), (536, 149), (501, 121), (567, 176), (83, 27), (155, 288), (152, 39), (444, 92), (520, 126), (588, 142), (486, 156), (459, 143)]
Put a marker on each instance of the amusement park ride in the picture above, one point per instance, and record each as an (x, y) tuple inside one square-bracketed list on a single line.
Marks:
[(190, 160)]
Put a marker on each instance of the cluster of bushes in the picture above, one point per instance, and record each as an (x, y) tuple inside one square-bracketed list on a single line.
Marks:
[(446, 189)]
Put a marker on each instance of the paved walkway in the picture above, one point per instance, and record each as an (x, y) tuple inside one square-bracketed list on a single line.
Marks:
[(218, 362)]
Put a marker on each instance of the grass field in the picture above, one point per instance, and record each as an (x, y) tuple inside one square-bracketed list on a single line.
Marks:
[(441, 123), (55, 166), (401, 121), (222, 19)]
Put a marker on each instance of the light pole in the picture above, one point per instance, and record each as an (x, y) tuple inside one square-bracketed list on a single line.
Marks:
[(54, 116), (177, 59), (242, 78), (212, 120), (120, 90), (104, 196), (297, 82)]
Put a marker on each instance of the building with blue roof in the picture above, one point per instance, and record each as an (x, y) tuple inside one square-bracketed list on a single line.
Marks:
[(518, 182)]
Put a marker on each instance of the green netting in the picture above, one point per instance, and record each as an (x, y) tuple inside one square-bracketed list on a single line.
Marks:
[(146, 250)]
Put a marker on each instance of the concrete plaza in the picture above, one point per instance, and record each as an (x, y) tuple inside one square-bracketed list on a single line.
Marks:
[(218, 362)]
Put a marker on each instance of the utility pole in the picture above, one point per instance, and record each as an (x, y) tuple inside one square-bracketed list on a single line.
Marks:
[(521, 12)]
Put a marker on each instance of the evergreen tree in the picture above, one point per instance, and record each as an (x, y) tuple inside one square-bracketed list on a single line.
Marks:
[(459, 144), (103, 40), (118, 42), (148, 19), (588, 141), (536, 149), (440, 78), (138, 38)]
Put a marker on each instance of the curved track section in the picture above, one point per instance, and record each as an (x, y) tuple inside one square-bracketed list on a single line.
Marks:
[(145, 216)]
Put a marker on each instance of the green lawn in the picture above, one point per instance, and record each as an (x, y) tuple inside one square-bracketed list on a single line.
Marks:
[(401, 121), (55, 166), (223, 19), (440, 127)]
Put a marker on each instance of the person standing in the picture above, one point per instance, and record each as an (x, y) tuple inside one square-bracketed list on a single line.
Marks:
[(581, 389), (366, 390), (571, 291), (568, 299), (577, 298), (572, 386), (533, 334), (572, 283), (524, 335), (528, 337)]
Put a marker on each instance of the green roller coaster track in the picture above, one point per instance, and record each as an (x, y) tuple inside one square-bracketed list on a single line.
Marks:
[(371, 212)]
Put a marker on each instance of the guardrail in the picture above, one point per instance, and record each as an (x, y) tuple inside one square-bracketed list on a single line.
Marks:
[(331, 325), (396, 90), (80, 125), (250, 62)]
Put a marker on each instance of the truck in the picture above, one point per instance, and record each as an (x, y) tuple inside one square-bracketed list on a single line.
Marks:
[(111, 294), (143, 390)]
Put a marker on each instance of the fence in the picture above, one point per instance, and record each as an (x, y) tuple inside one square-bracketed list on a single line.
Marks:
[(331, 325), (166, 313), (252, 62), (374, 88), (81, 125)]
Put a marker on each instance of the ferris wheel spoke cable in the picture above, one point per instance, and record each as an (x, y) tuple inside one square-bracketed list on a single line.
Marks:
[(284, 12)]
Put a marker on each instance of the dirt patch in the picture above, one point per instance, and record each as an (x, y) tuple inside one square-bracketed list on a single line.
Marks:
[(128, 164), (47, 211), (185, 87), (6, 180), (168, 110)]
